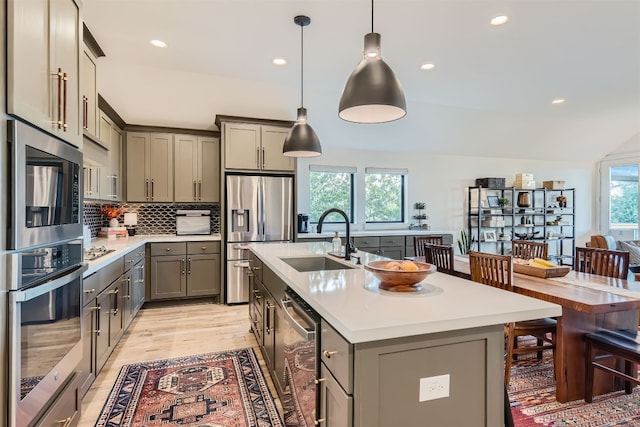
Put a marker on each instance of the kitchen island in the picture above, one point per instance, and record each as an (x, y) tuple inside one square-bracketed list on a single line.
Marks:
[(429, 358)]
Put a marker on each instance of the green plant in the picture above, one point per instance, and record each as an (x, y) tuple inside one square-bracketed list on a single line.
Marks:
[(503, 201), (464, 243)]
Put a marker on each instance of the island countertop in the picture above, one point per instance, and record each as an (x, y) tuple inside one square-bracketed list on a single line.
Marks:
[(352, 303)]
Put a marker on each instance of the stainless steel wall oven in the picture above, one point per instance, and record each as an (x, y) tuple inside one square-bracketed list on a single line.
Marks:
[(45, 344), (45, 189)]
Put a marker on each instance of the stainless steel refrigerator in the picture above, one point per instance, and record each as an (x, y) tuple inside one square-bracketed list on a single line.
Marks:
[(259, 208)]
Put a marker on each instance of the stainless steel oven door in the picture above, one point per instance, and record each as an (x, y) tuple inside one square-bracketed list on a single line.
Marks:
[(45, 343), (45, 188)]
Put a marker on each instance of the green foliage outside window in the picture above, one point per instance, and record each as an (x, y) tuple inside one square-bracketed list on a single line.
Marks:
[(624, 202), (384, 195), (330, 190)]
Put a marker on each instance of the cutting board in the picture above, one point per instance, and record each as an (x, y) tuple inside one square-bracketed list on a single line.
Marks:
[(530, 270)]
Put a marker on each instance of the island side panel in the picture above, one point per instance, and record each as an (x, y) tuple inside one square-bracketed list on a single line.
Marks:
[(388, 373)]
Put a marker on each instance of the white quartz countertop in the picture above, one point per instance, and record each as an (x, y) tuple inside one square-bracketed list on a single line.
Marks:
[(326, 233), (124, 246), (352, 303)]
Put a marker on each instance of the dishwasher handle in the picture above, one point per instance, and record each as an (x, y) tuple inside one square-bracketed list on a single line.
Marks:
[(309, 334)]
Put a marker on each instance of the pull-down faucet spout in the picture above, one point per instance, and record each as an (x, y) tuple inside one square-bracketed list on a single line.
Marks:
[(348, 248)]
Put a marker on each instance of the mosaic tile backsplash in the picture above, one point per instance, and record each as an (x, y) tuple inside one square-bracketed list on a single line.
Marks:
[(153, 218)]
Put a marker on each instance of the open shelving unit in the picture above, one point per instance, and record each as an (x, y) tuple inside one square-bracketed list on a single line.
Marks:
[(543, 220)]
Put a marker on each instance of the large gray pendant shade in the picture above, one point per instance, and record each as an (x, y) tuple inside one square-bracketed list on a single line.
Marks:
[(373, 93), (302, 140)]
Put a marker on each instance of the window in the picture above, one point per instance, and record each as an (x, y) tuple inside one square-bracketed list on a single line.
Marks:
[(330, 187), (623, 196), (385, 195)]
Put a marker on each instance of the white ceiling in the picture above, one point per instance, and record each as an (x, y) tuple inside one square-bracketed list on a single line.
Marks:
[(489, 95)]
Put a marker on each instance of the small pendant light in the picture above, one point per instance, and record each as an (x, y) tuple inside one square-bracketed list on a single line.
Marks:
[(302, 141), (373, 93)]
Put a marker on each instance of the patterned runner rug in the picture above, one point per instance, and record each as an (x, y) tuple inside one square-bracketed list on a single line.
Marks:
[(533, 402), (216, 389)]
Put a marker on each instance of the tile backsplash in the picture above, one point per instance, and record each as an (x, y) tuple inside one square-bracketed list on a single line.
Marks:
[(153, 218)]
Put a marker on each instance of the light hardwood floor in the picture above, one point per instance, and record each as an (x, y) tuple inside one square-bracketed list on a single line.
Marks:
[(172, 330)]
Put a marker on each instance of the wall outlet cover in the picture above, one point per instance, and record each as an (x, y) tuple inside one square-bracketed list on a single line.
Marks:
[(434, 387)]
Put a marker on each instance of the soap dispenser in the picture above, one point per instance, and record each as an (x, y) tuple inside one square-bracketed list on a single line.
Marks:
[(336, 244)]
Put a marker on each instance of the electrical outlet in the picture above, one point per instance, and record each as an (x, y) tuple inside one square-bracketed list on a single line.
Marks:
[(434, 387)]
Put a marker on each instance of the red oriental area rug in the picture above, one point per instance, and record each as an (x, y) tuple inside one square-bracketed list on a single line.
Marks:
[(216, 389), (533, 402)]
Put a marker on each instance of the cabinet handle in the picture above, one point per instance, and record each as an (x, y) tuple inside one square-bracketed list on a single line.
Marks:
[(258, 157), (204, 248), (58, 75), (129, 261), (140, 253), (263, 158), (319, 380), (321, 420), (152, 192), (65, 422), (182, 263), (84, 112), (268, 319), (189, 266), (89, 291), (328, 354), (97, 330), (199, 190), (168, 249), (195, 193), (146, 189), (64, 102)]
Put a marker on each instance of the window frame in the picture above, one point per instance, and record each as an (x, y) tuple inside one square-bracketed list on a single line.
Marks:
[(403, 192), (603, 213), (352, 171)]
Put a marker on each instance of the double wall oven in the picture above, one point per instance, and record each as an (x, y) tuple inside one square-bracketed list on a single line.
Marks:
[(45, 268)]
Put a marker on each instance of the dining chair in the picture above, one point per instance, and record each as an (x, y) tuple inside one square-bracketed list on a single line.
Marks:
[(603, 262), (497, 271), (418, 242), (527, 249), (441, 256)]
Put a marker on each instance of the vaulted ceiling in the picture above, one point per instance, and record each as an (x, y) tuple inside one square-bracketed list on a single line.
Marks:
[(489, 94)]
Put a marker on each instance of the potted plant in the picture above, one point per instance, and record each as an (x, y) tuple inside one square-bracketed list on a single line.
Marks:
[(503, 202)]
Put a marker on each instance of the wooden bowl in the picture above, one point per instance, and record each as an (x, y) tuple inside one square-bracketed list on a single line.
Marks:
[(400, 280)]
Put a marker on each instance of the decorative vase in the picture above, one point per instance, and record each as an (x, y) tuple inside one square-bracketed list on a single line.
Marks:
[(113, 222), (562, 204), (523, 199)]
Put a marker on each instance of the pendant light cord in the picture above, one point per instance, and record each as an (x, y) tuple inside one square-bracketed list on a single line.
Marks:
[(372, 16), (302, 66)]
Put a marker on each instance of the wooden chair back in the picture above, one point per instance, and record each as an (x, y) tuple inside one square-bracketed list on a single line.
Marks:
[(603, 262), (441, 256), (491, 269), (527, 249), (419, 241)]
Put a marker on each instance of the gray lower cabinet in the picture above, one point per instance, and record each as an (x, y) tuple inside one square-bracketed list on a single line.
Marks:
[(65, 409), (393, 376), (180, 270)]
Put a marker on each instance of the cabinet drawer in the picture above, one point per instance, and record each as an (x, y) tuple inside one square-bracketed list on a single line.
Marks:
[(337, 355), (90, 287), (366, 241), (133, 257), (111, 272), (65, 409), (175, 248), (194, 248), (392, 241)]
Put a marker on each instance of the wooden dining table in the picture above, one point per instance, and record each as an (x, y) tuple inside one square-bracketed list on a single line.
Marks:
[(589, 303)]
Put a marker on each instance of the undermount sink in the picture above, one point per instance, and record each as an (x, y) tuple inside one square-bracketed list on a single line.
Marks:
[(315, 263)]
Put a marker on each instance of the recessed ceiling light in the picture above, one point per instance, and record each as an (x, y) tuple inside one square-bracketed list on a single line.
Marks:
[(158, 43), (427, 66), (499, 20), (279, 62), (558, 101)]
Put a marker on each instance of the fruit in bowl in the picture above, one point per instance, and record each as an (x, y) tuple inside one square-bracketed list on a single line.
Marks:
[(404, 275)]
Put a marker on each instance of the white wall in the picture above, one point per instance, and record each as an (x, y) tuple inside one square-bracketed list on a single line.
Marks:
[(441, 181)]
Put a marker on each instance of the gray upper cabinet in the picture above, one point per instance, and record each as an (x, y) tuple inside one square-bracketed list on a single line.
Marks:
[(149, 167), (89, 92), (255, 147), (197, 168), (43, 66)]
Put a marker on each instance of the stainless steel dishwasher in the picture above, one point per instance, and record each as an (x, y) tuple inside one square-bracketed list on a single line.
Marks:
[(297, 361)]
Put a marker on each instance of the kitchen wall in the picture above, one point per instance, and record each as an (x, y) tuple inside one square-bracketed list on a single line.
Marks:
[(153, 218), (442, 180), (3, 222)]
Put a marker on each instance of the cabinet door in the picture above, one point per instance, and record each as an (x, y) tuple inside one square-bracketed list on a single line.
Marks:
[(161, 167), (104, 130), (87, 367), (208, 169), (65, 55), (117, 291), (115, 163), (269, 331), (185, 150), (336, 407), (28, 75), (168, 277), (203, 275), (91, 181), (138, 286), (89, 95), (392, 252), (272, 142), (127, 299), (103, 349), (137, 182), (242, 146)]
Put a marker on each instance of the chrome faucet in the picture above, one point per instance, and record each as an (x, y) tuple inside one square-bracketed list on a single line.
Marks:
[(348, 247)]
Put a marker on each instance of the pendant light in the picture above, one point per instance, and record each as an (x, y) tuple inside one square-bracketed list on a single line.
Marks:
[(373, 93), (302, 141)]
